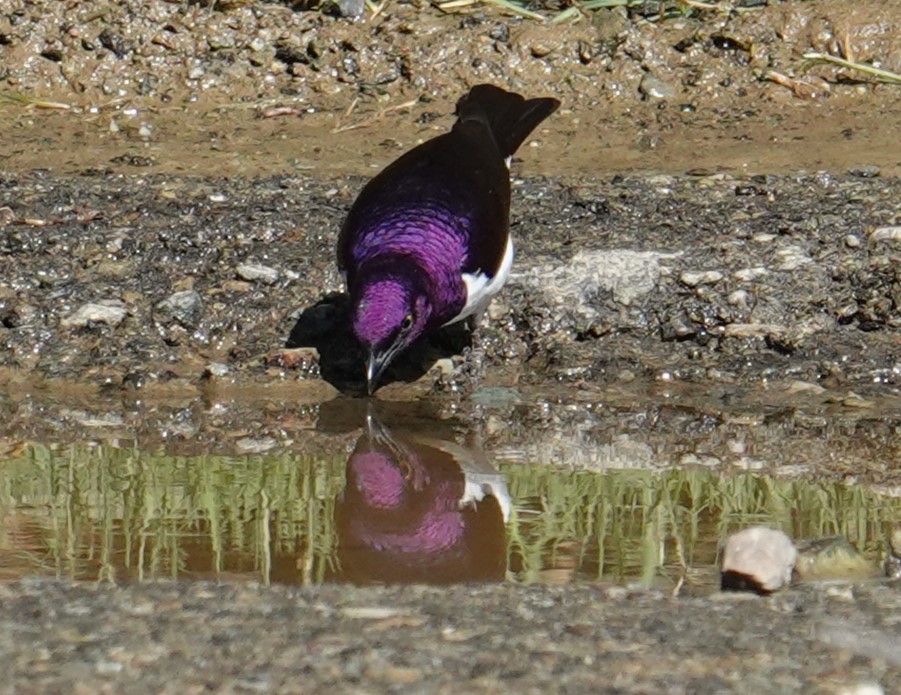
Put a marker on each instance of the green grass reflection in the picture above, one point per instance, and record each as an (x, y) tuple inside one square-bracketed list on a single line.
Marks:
[(100, 512)]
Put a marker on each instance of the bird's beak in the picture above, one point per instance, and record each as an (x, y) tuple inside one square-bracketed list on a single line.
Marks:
[(378, 362)]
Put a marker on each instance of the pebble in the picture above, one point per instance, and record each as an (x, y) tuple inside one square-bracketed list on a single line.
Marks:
[(656, 88), (832, 558), (862, 689), (217, 369), (892, 233), (749, 274), (867, 171), (740, 299), (758, 559), (693, 279), (184, 307), (792, 258), (110, 311), (351, 8), (250, 445), (257, 272)]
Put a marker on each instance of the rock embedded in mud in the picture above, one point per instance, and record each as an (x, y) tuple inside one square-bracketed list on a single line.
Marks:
[(758, 559), (257, 272), (184, 308), (892, 233), (111, 312), (217, 369), (693, 279), (654, 88), (867, 171)]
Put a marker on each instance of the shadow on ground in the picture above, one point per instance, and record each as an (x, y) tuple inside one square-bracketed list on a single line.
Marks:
[(326, 326)]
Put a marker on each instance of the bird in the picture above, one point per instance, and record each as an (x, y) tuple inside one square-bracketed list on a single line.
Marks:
[(426, 243)]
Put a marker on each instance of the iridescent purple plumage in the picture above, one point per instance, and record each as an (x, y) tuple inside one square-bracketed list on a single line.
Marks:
[(432, 230)]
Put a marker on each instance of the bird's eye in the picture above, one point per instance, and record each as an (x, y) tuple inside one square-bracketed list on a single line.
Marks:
[(407, 323)]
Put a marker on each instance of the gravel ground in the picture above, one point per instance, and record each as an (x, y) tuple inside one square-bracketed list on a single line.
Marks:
[(122, 281), (170, 638)]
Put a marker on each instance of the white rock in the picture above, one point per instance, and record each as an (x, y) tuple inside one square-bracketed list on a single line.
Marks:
[(764, 556), (627, 274), (748, 274), (862, 689), (792, 258), (110, 311), (740, 299), (250, 445), (892, 233), (707, 277), (256, 271)]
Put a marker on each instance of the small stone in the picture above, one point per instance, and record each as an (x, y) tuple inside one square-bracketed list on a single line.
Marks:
[(217, 369), (351, 8), (848, 311), (852, 241), (655, 88), (740, 299), (749, 274), (249, 445), (853, 400), (754, 330), (758, 559), (110, 311), (832, 558), (184, 307), (867, 171), (792, 258), (303, 358), (803, 387), (695, 460), (861, 689), (540, 49), (693, 279), (892, 233), (236, 286), (256, 272)]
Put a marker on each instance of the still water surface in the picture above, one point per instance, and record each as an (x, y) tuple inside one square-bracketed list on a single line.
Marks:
[(398, 506)]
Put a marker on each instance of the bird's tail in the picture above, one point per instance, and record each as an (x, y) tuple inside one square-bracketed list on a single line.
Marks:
[(510, 116)]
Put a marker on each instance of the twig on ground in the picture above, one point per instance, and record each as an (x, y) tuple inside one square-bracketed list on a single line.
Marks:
[(878, 73)]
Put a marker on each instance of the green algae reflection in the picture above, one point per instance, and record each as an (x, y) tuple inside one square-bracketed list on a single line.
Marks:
[(100, 512)]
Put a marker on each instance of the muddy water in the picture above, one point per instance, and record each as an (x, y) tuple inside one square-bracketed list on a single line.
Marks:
[(425, 500)]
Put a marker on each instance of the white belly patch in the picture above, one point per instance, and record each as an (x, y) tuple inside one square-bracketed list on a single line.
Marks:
[(480, 288)]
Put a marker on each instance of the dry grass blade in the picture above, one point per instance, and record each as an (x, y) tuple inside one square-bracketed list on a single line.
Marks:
[(580, 8), (376, 9), (504, 4), (36, 103), (878, 73), (375, 118)]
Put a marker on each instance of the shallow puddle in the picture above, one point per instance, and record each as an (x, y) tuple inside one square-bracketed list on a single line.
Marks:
[(396, 506)]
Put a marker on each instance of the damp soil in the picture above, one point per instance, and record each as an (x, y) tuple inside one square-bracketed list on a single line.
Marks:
[(707, 274)]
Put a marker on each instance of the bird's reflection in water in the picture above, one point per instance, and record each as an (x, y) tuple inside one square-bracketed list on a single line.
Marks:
[(420, 509)]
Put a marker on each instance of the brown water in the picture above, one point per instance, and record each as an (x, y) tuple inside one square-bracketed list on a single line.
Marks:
[(421, 504)]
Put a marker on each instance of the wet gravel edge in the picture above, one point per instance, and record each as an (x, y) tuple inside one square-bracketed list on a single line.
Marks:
[(168, 637)]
